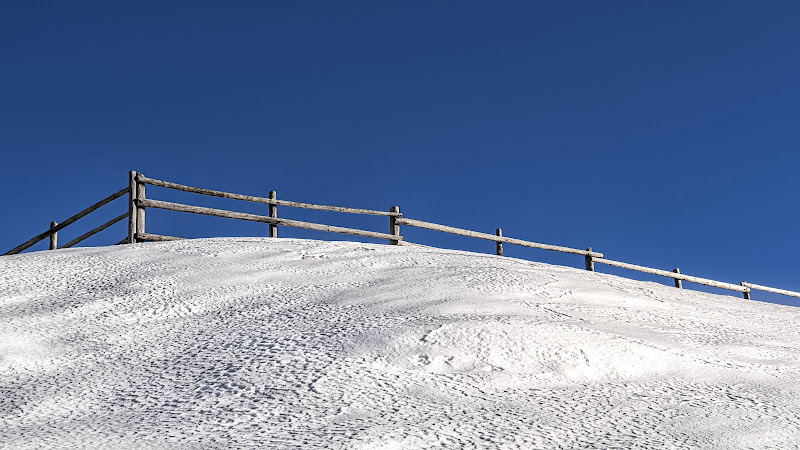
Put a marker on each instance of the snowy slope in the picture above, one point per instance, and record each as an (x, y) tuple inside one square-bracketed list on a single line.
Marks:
[(263, 343)]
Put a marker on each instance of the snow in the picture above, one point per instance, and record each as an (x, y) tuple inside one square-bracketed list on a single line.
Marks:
[(286, 343)]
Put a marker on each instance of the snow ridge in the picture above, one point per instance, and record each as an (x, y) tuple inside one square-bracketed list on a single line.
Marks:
[(286, 343)]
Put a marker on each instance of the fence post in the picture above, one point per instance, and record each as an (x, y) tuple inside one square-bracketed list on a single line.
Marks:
[(394, 228), (132, 213), (53, 236), (745, 293), (499, 246), (589, 261), (273, 212), (678, 283), (139, 209)]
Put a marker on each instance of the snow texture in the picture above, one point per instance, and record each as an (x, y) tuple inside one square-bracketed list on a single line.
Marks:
[(286, 343)]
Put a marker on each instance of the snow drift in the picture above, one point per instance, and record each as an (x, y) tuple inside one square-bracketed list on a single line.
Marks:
[(265, 343)]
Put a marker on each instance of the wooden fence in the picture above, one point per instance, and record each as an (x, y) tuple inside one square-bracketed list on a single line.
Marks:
[(138, 203), (55, 227)]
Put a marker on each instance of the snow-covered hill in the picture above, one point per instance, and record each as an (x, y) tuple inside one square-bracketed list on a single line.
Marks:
[(264, 343)]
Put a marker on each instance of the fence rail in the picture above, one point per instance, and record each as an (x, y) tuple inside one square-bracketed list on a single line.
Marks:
[(94, 231), (674, 275), (494, 237), (138, 203), (270, 201), (770, 289), (147, 237), (263, 219)]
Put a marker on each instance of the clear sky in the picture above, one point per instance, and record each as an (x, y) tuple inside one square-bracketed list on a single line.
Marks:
[(660, 133)]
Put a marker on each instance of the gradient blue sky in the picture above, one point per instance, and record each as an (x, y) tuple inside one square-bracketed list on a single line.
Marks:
[(660, 133)]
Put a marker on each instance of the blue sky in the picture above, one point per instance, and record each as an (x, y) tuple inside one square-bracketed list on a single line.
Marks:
[(660, 133)]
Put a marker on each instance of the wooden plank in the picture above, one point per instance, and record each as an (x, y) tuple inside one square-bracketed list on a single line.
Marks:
[(140, 210), (678, 281), (588, 261), (53, 236), (341, 209), (263, 219), (156, 237), (499, 245), (770, 289), (132, 209), (491, 237), (394, 228), (667, 273), (65, 223), (273, 212), (251, 198), (94, 231)]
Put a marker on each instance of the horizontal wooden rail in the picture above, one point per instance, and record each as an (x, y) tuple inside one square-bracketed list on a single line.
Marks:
[(263, 219), (769, 289), (94, 231), (65, 223), (492, 237), (265, 200), (156, 237), (673, 275)]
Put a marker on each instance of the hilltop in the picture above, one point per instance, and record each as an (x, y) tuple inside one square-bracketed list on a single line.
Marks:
[(287, 343)]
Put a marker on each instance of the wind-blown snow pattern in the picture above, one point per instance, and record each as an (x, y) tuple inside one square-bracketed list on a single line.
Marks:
[(285, 343)]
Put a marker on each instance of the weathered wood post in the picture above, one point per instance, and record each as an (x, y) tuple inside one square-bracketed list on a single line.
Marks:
[(132, 210), (745, 293), (53, 236), (139, 208), (273, 212), (394, 228), (499, 244), (589, 261), (678, 282)]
